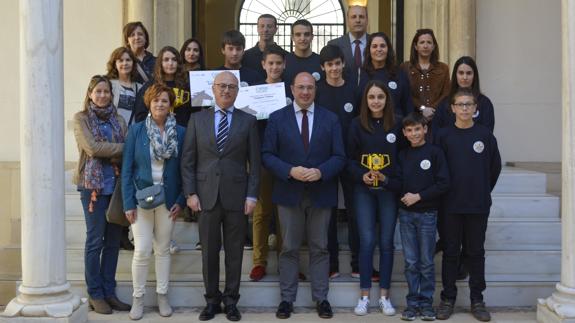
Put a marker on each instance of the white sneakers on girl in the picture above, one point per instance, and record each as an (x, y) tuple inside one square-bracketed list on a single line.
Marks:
[(362, 307), (386, 307)]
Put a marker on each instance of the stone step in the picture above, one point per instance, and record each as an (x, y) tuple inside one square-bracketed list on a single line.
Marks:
[(500, 265), (502, 233), (519, 181), (342, 293)]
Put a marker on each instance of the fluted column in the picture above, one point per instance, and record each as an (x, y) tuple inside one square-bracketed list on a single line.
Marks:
[(44, 291), (560, 306), (462, 30)]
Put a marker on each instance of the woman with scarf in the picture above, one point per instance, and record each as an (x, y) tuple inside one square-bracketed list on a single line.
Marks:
[(152, 157), (99, 132)]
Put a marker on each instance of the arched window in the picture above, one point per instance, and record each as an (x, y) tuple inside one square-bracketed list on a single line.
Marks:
[(326, 16)]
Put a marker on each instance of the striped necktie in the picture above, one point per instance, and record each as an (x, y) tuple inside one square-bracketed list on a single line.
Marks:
[(223, 131)]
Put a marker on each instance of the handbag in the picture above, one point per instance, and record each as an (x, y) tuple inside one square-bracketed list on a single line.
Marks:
[(150, 197), (115, 212)]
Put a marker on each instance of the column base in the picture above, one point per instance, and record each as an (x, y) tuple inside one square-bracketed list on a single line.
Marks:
[(60, 307), (557, 308)]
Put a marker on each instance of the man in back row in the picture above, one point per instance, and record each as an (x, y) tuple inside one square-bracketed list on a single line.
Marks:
[(253, 57)]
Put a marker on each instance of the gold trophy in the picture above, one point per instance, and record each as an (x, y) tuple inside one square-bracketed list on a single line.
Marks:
[(182, 97), (375, 162)]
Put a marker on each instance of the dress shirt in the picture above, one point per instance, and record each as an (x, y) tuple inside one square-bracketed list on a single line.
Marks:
[(362, 44)]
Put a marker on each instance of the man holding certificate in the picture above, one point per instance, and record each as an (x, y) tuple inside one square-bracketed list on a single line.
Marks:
[(303, 149)]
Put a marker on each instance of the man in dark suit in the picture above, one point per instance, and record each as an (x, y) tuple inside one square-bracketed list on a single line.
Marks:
[(220, 175), (353, 44), (304, 151)]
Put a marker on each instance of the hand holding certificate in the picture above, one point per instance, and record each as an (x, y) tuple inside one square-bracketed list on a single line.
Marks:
[(261, 100)]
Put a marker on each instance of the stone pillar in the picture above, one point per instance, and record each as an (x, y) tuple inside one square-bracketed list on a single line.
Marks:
[(44, 291), (560, 306), (462, 34)]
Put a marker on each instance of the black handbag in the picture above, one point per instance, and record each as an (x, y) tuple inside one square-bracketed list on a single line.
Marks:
[(115, 212)]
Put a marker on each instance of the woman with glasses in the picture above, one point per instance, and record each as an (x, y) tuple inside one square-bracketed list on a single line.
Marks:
[(99, 131)]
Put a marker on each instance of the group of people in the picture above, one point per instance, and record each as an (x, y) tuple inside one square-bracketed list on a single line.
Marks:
[(402, 140)]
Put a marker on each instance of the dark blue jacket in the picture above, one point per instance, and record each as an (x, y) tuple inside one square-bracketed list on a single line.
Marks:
[(283, 149), (137, 166)]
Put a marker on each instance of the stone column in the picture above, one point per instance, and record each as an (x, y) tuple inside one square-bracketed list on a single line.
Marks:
[(560, 306), (44, 291), (462, 34)]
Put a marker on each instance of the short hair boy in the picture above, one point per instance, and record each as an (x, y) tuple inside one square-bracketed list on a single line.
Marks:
[(233, 44), (425, 178), (302, 59), (474, 167)]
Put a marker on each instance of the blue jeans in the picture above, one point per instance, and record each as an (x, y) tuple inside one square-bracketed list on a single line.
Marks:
[(371, 204), (101, 249), (418, 231)]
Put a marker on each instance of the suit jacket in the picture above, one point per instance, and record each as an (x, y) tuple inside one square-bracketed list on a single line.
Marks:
[(231, 175), (283, 149), (137, 167), (350, 72)]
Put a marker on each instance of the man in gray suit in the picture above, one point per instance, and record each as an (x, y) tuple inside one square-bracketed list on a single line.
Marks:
[(220, 175), (354, 42)]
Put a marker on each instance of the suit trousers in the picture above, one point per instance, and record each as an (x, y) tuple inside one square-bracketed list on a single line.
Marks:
[(262, 217), (295, 222), (153, 228), (211, 224)]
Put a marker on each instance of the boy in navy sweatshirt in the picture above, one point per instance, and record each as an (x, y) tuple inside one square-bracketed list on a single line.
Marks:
[(474, 167), (425, 177)]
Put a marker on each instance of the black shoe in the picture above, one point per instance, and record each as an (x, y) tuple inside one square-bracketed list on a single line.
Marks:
[(324, 310), (117, 304), (209, 312), (284, 310), (479, 312), (444, 310), (232, 313)]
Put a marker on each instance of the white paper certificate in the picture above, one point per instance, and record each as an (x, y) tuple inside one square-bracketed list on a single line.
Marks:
[(201, 86), (261, 100)]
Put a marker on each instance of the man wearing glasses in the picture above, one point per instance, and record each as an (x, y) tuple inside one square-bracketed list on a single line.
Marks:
[(220, 175), (303, 149)]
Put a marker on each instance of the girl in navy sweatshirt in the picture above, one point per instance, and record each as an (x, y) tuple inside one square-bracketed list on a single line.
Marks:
[(375, 131)]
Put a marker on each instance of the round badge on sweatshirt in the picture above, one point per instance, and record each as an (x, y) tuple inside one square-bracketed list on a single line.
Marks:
[(348, 107), (244, 84), (288, 101), (478, 146), (476, 114), (316, 76), (392, 85), (425, 164), (390, 138)]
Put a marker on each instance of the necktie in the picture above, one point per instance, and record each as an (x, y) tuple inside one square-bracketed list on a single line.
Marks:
[(223, 131), (357, 53), (304, 130)]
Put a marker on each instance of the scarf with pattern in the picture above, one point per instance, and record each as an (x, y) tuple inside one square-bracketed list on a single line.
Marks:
[(163, 149)]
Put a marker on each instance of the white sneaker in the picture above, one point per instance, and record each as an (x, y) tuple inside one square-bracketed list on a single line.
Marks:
[(385, 306), (362, 307), (174, 248)]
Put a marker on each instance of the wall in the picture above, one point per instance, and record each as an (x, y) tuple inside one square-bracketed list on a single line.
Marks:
[(519, 59)]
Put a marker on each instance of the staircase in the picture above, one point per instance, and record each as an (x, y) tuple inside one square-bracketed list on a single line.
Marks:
[(523, 257)]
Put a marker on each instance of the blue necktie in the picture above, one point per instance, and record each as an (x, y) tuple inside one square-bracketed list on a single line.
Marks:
[(223, 130)]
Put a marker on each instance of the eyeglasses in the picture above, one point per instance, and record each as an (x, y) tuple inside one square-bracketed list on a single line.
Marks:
[(223, 86), (466, 105)]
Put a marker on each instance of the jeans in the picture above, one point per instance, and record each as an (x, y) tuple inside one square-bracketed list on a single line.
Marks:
[(418, 231), (101, 248), (347, 186), (372, 204), (474, 226)]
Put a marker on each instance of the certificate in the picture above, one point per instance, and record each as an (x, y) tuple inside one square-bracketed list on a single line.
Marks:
[(261, 100), (201, 86)]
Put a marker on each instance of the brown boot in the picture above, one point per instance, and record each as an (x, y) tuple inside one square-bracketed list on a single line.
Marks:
[(117, 304), (99, 306)]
